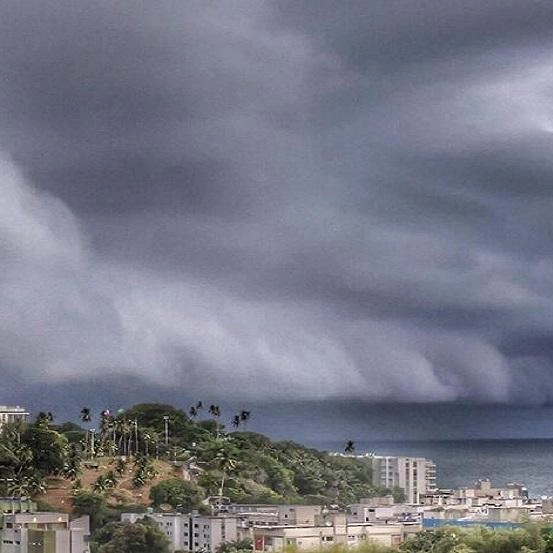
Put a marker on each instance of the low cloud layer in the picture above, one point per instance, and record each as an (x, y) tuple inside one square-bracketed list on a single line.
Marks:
[(279, 200)]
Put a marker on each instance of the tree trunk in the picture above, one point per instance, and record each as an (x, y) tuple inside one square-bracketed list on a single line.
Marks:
[(222, 485)]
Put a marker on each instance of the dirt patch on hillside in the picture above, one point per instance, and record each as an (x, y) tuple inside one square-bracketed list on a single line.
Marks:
[(60, 491)]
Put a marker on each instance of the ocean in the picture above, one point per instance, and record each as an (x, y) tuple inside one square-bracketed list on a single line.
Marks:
[(461, 462)]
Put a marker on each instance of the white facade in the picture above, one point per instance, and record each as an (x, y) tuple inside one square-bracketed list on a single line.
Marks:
[(194, 533), (276, 539), (44, 533), (9, 414), (415, 475), (362, 513)]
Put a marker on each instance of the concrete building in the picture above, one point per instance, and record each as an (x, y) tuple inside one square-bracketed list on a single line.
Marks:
[(44, 533), (362, 513), (415, 475), (11, 505), (480, 494), (13, 414), (284, 515), (278, 538), (192, 532)]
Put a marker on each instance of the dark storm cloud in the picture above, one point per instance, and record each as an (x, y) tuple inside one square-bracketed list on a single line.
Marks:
[(302, 200)]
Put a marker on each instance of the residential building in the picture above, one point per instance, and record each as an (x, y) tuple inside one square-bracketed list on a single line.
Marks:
[(415, 475), (480, 494), (278, 538), (361, 512), (286, 515), (44, 533), (16, 505), (10, 414), (192, 532)]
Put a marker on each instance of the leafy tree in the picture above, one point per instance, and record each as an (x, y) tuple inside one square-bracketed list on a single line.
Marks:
[(93, 505), (151, 415), (72, 467), (49, 448), (477, 540), (237, 546), (398, 494), (141, 537), (180, 494)]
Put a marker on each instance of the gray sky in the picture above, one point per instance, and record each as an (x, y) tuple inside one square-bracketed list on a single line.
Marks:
[(278, 200)]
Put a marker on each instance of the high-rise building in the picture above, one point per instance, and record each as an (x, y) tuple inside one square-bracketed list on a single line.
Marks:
[(415, 475)]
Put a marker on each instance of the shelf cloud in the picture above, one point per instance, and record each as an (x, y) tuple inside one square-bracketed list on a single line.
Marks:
[(279, 200)]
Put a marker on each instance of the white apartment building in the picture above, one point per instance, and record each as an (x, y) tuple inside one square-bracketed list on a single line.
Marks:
[(44, 533), (415, 475), (192, 532), (10, 414)]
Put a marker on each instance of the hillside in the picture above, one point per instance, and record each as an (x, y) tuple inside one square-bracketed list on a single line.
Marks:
[(60, 491), (53, 462)]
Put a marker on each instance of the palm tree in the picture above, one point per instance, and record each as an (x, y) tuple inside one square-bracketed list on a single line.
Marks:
[(215, 412), (350, 447), (44, 419), (245, 417), (85, 414), (26, 485), (225, 463), (86, 417), (107, 431), (236, 421), (72, 468), (120, 466), (100, 486)]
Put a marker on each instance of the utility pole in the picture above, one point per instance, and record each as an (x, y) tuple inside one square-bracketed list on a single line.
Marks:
[(166, 421), (136, 436), (92, 431)]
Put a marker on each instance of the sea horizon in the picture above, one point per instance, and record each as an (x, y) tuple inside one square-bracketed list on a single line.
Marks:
[(461, 462)]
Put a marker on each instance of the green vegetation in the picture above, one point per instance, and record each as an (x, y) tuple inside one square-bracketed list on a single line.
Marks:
[(530, 539), (180, 494), (129, 447), (244, 466), (241, 465), (239, 546), (140, 537)]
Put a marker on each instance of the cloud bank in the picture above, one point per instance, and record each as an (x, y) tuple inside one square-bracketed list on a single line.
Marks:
[(279, 200)]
